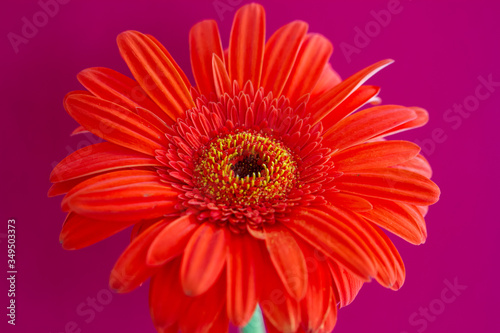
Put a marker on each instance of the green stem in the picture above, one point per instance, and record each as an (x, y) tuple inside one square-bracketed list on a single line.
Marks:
[(256, 324)]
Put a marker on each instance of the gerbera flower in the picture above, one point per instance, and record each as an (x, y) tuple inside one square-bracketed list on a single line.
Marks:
[(260, 184)]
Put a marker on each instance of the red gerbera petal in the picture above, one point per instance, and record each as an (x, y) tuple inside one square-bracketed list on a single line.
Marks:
[(418, 165), (166, 285), (79, 231), (288, 259), (99, 158), (204, 41), (375, 155), (332, 236), (336, 95), (172, 61), (347, 285), (121, 196), (348, 201), (311, 59), (156, 74), (421, 119), (401, 219), (114, 123), (350, 104), (281, 310), (206, 316), (390, 184), (242, 266), (316, 305), (329, 78), (367, 124), (172, 240), (203, 259), (110, 85), (280, 54), (222, 83), (246, 45), (131, 270)]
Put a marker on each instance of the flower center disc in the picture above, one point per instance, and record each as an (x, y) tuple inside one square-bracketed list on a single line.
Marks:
[(245, 168)]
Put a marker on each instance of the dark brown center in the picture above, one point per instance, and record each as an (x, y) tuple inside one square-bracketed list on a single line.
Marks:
[(247, 165)]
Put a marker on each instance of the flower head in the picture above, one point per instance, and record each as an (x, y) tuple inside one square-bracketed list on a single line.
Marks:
[(262, 183)]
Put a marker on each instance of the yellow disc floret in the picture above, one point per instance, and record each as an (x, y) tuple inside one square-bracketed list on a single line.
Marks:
[(245, 168)]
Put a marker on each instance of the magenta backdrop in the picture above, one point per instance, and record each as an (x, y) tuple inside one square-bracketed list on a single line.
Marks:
[(446, 58)]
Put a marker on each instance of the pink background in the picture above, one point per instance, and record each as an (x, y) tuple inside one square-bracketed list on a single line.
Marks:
[(441, 48)]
